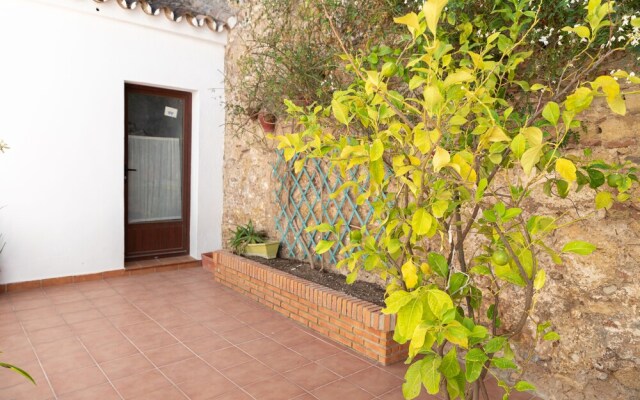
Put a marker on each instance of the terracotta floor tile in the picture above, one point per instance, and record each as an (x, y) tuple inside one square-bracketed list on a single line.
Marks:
[(168, 393), (15, 341), (314, 349), (183, 370), (398, 369), (82, 316), (150, 342), (342, 389), (28, 391), (311, 376), (43, 323), (343, 363), (174, 319), (10, 378), (234, 394), (226, 358), (274, 326), (142, 329), (74, 306), (20, 356), (51, 334), (83, 327), (169, 355), (396, 394), (77, 379), (261, 346), (255, 317), (128, 318), (65, 297), (249, 372), (376, 381), (126, 366), (31, 303), (224, 324), (67, 361), (97, 293), (284, 360), (189, 332), (115, 309), (141, 384), (207, 344), (100, 392), (102, 336), (11, 329), (58, 348), (112, 350), (240, 336), (36, 313), (274, 389), (208, 387)]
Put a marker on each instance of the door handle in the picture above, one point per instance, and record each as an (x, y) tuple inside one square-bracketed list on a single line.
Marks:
[(131, 169)]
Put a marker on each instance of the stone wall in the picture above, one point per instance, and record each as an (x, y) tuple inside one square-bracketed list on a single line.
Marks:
[(593, 301)]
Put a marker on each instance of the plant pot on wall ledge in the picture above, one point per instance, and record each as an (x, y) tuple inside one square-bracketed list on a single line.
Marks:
[(266, 250), (267, 121)]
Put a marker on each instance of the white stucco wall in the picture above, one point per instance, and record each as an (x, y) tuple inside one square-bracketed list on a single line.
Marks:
[(62, 75)]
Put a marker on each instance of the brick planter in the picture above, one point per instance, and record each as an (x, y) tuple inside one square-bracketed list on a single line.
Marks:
[(355, 323)]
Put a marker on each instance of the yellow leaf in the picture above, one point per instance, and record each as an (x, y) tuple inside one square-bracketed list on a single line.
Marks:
[(533, 135), (421, 222), (496, 134), (432, 98), (425, 268), (440, 159), (459, 76), (566, 169), (410, 274), (466, 172), (538, 283), (617, 105), (340, 112), (604, 200), (377, 149), (410, 20), (432, 10), (531, 158), (421, 140)]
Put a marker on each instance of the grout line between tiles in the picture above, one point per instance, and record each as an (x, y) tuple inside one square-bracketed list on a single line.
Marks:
[(46, 376), (101, 370)]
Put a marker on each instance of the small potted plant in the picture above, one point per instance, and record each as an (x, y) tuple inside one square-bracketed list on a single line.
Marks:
[(246, 240)]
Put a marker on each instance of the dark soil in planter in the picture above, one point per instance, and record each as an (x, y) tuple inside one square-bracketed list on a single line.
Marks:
[(362, 290)]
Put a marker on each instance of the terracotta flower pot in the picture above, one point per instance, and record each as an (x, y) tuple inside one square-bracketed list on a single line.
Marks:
[(267, 121)]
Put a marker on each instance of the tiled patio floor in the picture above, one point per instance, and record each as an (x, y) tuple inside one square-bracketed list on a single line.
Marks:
[(173, 335)]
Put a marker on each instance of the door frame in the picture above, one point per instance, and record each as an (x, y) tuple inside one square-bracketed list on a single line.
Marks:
[(186, 171)]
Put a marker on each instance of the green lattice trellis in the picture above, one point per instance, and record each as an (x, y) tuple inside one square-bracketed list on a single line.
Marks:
[(304, 200)]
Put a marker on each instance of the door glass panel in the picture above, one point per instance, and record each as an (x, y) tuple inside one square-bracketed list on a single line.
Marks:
[(154, 164)]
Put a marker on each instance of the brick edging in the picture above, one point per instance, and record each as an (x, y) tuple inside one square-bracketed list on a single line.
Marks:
[(355, 323)]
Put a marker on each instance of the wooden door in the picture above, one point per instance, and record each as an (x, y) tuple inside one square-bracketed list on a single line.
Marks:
[(156, 172)]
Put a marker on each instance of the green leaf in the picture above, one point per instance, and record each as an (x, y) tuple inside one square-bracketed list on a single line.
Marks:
[(18, 370), (408, 319), (340, 112), (439, 208), (495, 344), (604, 200), (482, 185), (579, 247), (430, 373), (503, 363), (450, 366), (475, 359), (551, 113), (377, 149), (396, 301), (438, 263), (523, 386), (566, 169), (413, 380), (421, 221), (518, 145), (323, 246), (551, 336)]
